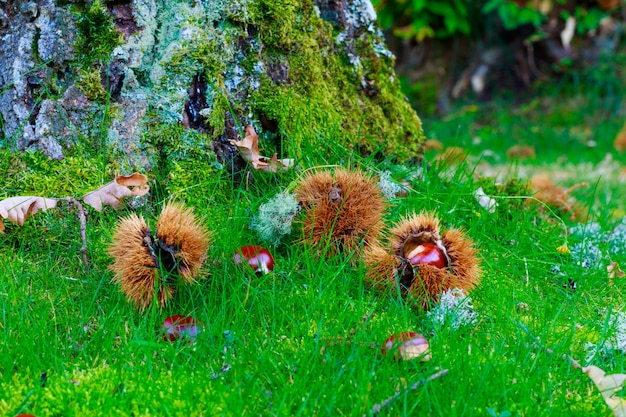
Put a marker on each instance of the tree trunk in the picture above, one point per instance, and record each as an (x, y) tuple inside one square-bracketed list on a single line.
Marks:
[(145, 77)]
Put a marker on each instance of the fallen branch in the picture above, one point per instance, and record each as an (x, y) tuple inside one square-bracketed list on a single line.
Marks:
[(83, 228), (18, 209)]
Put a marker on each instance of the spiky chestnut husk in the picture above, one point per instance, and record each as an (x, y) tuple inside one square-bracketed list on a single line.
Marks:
[(382, 268), (343, 209), (142, 263), (178, 228), (424, 282), (135, 265)]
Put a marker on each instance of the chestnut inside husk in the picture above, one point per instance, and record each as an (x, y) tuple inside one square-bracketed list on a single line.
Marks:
[(423, 261)]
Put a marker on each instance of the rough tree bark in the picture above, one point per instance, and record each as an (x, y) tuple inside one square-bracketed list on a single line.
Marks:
[(126, 76)]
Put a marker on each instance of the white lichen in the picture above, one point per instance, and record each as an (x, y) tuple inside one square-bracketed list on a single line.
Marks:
[(236, 10), (275, 218), (455, 310), (587, 254), (590, 230), (360, 13), (380, 48), (388, 187), (615, 343), (617, 239)]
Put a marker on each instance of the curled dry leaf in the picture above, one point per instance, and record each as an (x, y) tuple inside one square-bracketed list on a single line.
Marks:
[(486, 202), (17, 209), (608, 385), (249, 149), (112, 193)]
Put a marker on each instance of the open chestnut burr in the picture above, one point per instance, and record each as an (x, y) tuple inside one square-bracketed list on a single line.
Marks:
[(422, 261)]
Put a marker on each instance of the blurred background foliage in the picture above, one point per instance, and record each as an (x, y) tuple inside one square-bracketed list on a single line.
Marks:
[(449, 50)]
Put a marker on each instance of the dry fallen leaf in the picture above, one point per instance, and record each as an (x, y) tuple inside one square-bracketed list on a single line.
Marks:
[(17, 209), (249, 149), (553, 195), (433, 145), (608, 385), (614, 271), (112, 193), (486, 202), (521, 152), (452, 155), (609, 4), (620, 140)]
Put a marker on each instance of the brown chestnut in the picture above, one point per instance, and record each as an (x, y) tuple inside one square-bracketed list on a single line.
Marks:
[(177, 327), (259, 258), (407, 346), (427, 254)]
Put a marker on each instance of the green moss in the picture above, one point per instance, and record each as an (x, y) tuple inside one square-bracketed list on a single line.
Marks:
[(280, 61), (198, 182), (186, 166), (512, 187), (97, 35), (279, 20), (110, 391), (512, 193), (217, 116), (32, 173), (326, 95), (90, 85)]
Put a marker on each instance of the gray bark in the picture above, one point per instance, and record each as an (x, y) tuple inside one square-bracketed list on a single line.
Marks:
[(150, 76)]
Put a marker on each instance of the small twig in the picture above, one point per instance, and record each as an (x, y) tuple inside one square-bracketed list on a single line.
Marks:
[(377, 408), (83, 228)]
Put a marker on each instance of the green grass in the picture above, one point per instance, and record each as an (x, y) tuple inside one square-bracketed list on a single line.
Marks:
[(305, 339)]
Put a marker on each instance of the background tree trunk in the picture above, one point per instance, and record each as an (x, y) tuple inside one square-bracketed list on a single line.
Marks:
[(136, 77)]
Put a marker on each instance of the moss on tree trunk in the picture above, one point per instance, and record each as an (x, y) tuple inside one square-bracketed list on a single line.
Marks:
[(162, 81)]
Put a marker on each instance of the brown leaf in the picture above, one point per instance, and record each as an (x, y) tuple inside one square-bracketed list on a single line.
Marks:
[(609, 4), (614, 271), (273, 164), (17, 209), (620, 140), (608, 385), (521, 152), (553, 195), (433, 145), (249, 149), (112, 193), (452, 155)]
